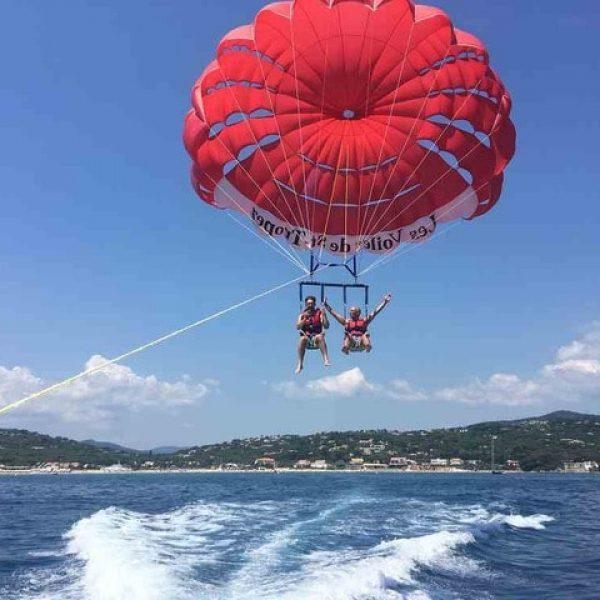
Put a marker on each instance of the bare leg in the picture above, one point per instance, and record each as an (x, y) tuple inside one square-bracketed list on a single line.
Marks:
[(366, 342), (322, 346), (346, 346), (301, 351)]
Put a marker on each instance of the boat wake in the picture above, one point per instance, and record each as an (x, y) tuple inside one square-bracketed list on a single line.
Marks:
[(354, 549)]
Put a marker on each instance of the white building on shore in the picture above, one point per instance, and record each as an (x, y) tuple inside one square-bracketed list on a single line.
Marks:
[(356, 464), (302, 464), (586, 466), (265, 462), (319, 465), (118, 468)]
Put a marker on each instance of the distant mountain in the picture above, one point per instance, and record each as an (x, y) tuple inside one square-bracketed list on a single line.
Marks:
[(568, 415), (119, 448), (109, 446), (556, 416), (167, 449)]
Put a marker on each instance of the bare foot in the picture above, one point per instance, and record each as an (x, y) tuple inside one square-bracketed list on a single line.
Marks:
[(327, 363), (299, 368)]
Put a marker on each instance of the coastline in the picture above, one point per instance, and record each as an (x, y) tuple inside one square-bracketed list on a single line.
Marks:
[(29, 472)]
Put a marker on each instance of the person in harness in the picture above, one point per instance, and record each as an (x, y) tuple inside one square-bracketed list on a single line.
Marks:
[(311, 324), (356, 335)]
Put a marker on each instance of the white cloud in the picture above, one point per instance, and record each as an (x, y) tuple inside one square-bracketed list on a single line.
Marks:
[(16, 383), (588, 347), (346, 384), (400, 389), (585, 367), (101, 395), (573, 376), (501, 388)]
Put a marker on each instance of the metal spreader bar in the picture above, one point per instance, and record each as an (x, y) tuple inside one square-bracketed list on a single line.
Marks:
[(350, 265), (323, 287)]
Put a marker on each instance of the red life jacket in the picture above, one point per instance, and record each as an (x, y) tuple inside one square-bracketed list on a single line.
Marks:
[(358, 327), (312, 324)]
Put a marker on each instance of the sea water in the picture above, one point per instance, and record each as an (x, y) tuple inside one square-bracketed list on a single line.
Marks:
[(299, 536)]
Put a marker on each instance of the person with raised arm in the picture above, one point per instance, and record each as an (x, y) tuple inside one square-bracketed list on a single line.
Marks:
[(356, 334)]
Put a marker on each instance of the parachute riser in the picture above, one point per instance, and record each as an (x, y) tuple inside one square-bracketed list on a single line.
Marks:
[(350, 265)]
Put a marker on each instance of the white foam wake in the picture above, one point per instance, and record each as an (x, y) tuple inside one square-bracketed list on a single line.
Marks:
[(266, 551), (132, 556), (529, 522), (119, 561), (375, 573), (258, 575), (477, 515), (124, 555)]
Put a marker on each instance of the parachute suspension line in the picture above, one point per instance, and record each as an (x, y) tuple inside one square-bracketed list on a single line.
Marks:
[(346, 194), (335, 178), (153, 343), (216, 183), (345, 293), (405, 249), (360, 215), (304, 216), (363, 159), (442, 176), (337, 169), (389, 120), (386, 225), (320, 130), (349, 264), (267, 241), (388, 257), (293, 259), (347, 125), (368, 225), (262, 151), (285, 155)]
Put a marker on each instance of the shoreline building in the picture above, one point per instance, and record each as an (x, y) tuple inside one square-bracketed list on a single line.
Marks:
[(265, 462), (586, 466)]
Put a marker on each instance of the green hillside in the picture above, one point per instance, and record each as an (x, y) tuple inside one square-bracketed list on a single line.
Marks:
[(538, 443), (19, 447)]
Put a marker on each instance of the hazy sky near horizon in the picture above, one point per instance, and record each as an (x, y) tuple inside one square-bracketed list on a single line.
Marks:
[(104, 245)]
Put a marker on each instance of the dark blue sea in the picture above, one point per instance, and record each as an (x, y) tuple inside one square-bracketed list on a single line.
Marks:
[(299, 536)]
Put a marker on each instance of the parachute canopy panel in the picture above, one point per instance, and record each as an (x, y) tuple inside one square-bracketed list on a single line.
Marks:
[(350, 125)]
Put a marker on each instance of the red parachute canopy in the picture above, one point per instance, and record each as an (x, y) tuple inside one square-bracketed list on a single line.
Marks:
[(350, 125)]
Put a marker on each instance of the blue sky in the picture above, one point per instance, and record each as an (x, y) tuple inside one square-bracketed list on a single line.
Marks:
[(104, 245)]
